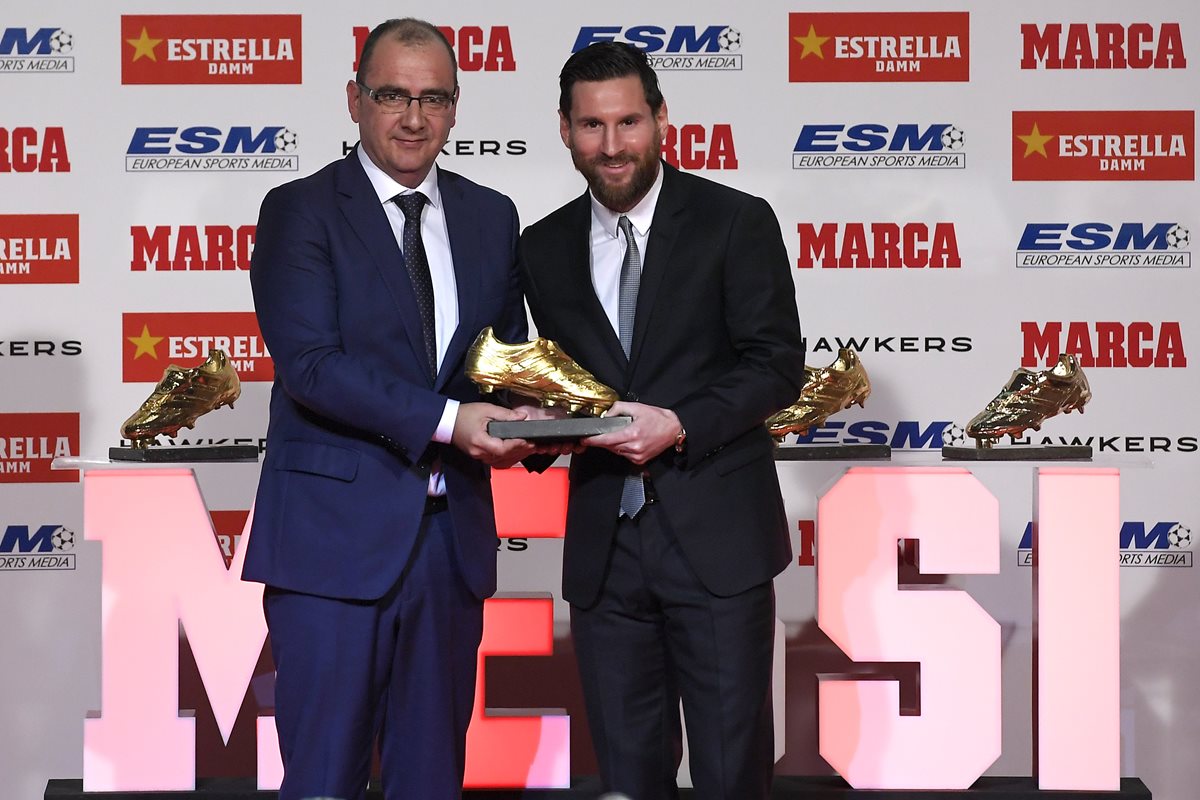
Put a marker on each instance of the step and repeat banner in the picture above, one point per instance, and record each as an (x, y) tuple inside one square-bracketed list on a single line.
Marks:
[(964, 189)]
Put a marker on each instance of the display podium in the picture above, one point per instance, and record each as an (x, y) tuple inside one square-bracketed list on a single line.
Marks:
[(161, 570)]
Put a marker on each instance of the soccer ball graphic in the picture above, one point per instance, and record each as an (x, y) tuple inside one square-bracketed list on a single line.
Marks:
[(953, 138), (729, 40), (62, 539), (286, 141), (1180, 535), (1178, 237), (953, 435), (61, 41)]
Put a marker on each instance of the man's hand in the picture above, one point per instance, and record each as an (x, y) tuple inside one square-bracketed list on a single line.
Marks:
[(652, 431), (471, 436), (536, 411)]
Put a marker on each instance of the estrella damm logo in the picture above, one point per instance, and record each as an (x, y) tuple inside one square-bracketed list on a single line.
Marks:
[(27, 149), (35, 50), (873, 145), (29, 442), (205, 148), (151, 341), (711, 48), (210, 48), (1104, 344), (1049, 245), (1102, 45), (847, 245), (879, 46), (1103, 145), (211, 248), (700, 147), (476, 48), (39, 248)]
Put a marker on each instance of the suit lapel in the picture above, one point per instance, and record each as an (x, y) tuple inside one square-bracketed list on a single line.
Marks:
[(467, 255), (360, 206), (664, 230)]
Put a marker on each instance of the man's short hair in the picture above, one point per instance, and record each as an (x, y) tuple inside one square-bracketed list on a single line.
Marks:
[(406, 31), (602, 61)]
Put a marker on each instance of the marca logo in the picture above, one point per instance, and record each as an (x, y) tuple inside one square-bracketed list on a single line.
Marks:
[(1104, 45), (203, 148), (847, 245), (683, 47), (1160, 544), (152, 341), (698, 147), (36, 50), (1100, 244), (903, 435), (890, 344), (228, 527), (477, 49), (190, 247), (42, 547), (39, 248), (870, 46), (30, 441), (210, 48), (1103, 145), (875, 146), (1104, 344), (32, 150)]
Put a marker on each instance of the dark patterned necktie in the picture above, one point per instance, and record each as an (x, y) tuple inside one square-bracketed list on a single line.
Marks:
[(418, 270), (633, 491)]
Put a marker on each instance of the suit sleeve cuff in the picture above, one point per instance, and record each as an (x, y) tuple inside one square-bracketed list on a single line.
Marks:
[(445, 429)]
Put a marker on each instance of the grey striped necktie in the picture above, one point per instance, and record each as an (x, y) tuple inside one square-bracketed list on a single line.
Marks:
[(633, 492)]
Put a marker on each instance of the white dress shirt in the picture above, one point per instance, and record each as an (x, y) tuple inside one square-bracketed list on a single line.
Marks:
[(608, 247), (436, 239)]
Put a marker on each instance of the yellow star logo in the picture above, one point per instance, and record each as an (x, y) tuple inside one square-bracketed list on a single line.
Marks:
[(812, 43), (144, 46), (1035, 142), (145, 344)]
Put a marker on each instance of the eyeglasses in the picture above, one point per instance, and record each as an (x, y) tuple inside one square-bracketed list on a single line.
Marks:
[(393, 102)]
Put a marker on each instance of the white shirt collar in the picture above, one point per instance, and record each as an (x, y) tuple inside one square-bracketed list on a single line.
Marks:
[(640, 215), (386, 187)]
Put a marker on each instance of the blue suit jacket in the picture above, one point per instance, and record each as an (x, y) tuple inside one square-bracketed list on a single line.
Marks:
[(353, 409)]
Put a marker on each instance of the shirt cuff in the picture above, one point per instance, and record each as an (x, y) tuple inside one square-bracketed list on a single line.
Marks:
[(445, 429)]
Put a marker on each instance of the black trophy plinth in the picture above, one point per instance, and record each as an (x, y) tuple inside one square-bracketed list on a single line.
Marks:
[(1051, 453), (833, 452), (556, 429), (183, 455)]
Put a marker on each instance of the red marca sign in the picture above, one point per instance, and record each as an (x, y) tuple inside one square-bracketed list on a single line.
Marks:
[(29, 442), (39, 248), (871, 46), (1103, 145), (210, 48), (152, 341)]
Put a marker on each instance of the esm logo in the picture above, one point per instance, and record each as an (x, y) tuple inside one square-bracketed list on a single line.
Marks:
[(1104, 344), (698, 147), (46, 547), (26, 149), (477, 49), (682, 47), (1161, 544), (205, 148), (1100, 244), (1104, 45), (903, 435), (36, 50), (872, 145)]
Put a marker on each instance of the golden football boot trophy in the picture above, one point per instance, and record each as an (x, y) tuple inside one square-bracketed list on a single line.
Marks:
[(181, 397), (1029, 399), (826, 391), (539, 370)]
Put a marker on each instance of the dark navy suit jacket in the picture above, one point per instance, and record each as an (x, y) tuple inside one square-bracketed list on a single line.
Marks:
[(353, 408)]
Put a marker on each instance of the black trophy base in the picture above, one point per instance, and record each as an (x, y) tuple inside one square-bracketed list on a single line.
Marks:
[(785, 787), (556, 429), (833, 452), (1073, 452), (183, 455)]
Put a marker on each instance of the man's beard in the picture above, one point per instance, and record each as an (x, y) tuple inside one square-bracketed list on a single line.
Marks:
[(624, 196)]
